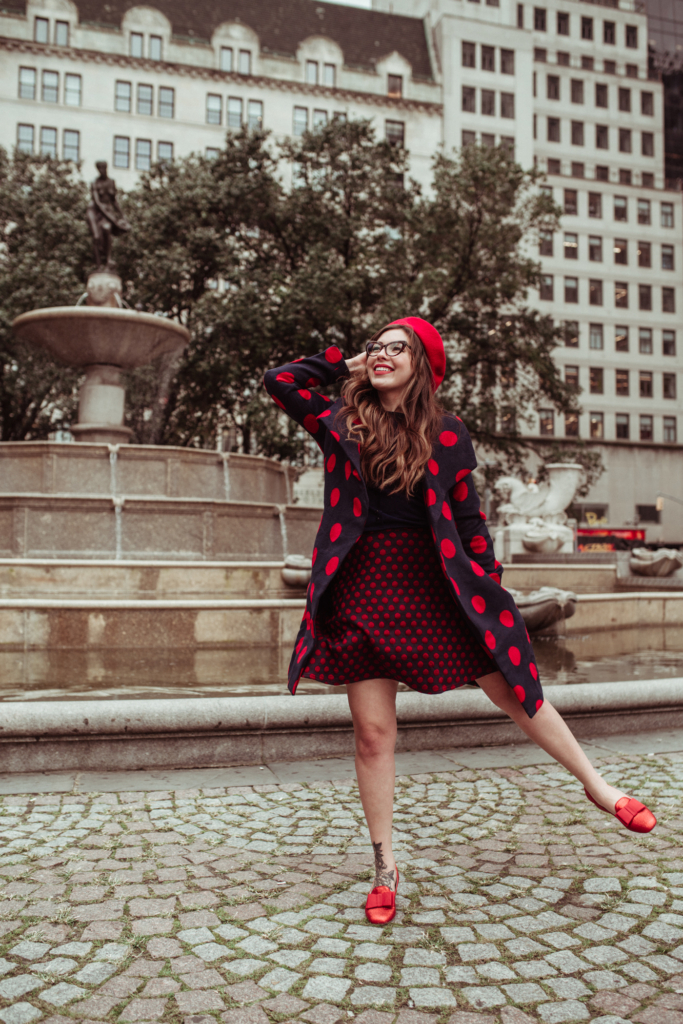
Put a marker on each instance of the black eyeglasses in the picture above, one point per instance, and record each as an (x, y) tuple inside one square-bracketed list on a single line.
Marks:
[(392, 348)]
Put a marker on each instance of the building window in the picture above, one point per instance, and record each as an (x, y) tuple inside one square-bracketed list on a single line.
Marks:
[(595, 248), (670, 429), (668, 343), (609, 33), (645, 378), (594, 205), (571, 289), (601, 136), (625, 177), (577, 90), (667, 215), (562, 23), (595, 292), (300, 119), (578, 170), (553, 87), (624, 140), (622, 419), (123, 97), (488, 102), (571, 377), (571, 245), (667, 257), (27, 83), (143, 154), (468, 138), (547, 287), (540, 55), (546, 422), (643, 211), (571, 424), (621, 294), (644, 296), (214, 109), (520, 15), (61, 33), (601, 173), (632, 37), (136, 42), (647, 105), (255, 116), (577, 133), (395, 133), (597, 425), (468, 55), (570, 201), (41, 30), (571, 333), (645, 435), (73, 89), (71, 145), (540, 19), (319, 120), (311, 72), (226, 58), (586, 28), (211, 153), (595, 337), (553, 129), (622, 382), (166, 102), (245, 62), (488, 58), (600, 95), (545, 244), (620, 208), (587, 63), (621, 339), (468, 99), (155, 47), (644, 254), (50, 91), (645, 341), (145, 103), (554, 166), (620, 250), (48, 142), (25, 138), (165, 152), (507, 62), (597, 380), (669, 385), (121, 151), (647, 147), (235, 114), (330, 77), (507, 143), (625, 100), (507, 104), (668, 300), (394, 84)]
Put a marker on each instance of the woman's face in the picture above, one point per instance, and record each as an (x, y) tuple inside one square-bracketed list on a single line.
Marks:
[(390, 373)]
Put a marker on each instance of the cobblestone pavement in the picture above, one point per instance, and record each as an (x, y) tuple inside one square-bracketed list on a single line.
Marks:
[(519, 902)]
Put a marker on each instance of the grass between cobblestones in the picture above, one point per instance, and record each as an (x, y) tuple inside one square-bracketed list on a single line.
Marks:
[(519, 903)]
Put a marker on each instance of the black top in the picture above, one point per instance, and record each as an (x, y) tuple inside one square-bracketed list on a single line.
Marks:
[(396, 510)]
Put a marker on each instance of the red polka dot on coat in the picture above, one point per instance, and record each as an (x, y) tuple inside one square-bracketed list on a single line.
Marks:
[(448, 438), (335, 435), (311, 424), (477, 569), (332, 565), (323, 415), (357, 507), (446, 510), (456, 588), (314, 556), (335, 532), (533, 670), (334, 497), (312, 382), (305, 394), (461, 474), (312, 591), (515, 656), (331, 463), (478, 603), (333, 355), (287, 377), (539, 704), (495, 577), (506, 618), (460, 491), (489, 639), (478, 544), (433, 467), (431, 497), (448, 548), (482, 515), (347, 470), (277, 401), (520, 694)]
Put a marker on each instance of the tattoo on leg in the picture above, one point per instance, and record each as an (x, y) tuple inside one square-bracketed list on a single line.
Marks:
[(383, 876)]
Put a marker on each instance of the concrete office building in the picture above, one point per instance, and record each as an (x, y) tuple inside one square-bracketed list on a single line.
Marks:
[(560, 83)]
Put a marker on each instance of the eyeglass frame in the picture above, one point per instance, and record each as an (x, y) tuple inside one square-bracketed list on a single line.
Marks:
[(383, 347)]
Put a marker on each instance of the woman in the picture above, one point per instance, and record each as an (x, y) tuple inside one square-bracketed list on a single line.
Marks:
[(405, 585)]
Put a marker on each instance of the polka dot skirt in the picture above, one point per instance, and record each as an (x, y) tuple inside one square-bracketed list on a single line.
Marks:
[(389, 614)]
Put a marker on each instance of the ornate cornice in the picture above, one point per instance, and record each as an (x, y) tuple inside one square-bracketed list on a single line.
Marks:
[(214, 75)]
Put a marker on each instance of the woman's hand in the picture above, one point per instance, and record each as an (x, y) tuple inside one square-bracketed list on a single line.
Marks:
[(357, 362)]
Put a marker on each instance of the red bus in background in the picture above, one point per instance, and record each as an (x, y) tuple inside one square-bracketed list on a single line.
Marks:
[(605, 539)]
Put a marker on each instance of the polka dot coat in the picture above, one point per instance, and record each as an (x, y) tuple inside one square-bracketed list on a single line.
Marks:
[(458, 526)]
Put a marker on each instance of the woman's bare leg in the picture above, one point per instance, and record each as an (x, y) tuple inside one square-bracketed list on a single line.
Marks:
[(549, 730), (373, 709)]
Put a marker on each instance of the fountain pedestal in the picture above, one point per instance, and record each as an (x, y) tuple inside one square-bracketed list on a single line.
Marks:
[(101, 407)]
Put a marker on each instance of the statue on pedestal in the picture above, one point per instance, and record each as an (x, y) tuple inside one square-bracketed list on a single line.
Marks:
[(104, 217)]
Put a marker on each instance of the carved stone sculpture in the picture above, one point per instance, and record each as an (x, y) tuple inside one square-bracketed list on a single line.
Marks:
[(104, 217), (544, 608), (662, 562), (533, 516)]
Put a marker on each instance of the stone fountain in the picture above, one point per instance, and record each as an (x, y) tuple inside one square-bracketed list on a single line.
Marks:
[(532, 517)]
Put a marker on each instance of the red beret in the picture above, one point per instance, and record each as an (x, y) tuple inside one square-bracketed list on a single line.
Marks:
[(433, 345)]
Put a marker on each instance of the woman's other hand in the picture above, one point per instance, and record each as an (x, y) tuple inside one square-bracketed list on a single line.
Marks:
[(357, 362)]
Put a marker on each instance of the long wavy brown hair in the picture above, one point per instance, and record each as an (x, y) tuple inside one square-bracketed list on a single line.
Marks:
[(394, 449)]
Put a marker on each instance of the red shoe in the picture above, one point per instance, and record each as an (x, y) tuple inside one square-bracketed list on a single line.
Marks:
[(380, 907), (631, 813)]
